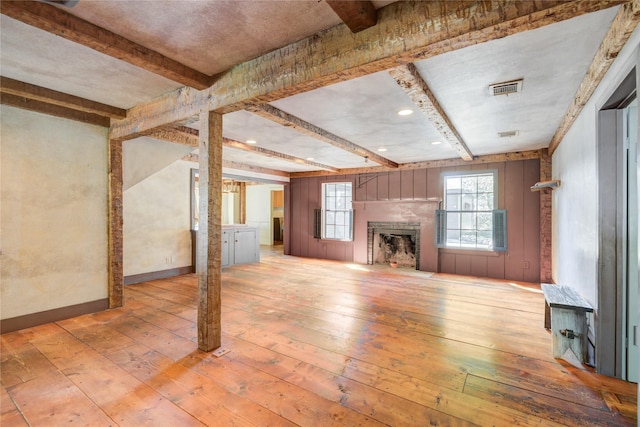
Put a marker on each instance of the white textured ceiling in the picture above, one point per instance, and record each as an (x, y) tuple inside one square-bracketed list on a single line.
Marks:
[(212, 36)]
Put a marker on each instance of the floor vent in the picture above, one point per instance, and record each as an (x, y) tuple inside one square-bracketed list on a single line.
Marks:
[(505, 88)]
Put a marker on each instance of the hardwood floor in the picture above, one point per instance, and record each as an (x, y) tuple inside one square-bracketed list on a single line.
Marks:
[(314, 343)]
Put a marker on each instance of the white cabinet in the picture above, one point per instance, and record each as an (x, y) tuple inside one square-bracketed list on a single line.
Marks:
[(240, 245)]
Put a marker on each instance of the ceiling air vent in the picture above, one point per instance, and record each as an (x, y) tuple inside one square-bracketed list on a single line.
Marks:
[(505, 88), (508, 133)]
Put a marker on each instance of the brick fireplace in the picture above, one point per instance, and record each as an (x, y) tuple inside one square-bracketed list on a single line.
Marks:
[(394, 241), (408, 220)]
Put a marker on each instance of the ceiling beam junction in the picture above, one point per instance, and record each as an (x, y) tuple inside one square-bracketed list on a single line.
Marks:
[(56, 21), (409, 79), (357, 15), (283, 118), (48, 96), (623, 25)]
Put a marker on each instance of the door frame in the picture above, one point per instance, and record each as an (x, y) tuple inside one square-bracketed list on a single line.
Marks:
[(610, 319)]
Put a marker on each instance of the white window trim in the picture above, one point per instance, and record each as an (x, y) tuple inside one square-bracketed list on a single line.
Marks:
[(350, 224), (441, 228)]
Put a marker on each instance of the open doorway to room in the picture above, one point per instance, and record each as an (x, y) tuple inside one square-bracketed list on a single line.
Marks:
[(277, 216), (248, 201), (618, 207)]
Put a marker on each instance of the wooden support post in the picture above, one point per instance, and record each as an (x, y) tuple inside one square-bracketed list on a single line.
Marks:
[(545, 219), (115, 256), (209, 251)]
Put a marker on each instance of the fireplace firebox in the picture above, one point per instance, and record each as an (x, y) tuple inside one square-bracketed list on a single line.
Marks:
[(394, 242)]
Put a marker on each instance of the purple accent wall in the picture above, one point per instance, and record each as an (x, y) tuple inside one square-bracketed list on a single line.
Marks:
[(406, 194)]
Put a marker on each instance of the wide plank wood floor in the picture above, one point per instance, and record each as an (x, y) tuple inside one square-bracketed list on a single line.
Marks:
[(311, 343)]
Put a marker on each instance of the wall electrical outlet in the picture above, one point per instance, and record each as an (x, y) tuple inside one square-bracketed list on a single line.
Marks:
[(525, 264)]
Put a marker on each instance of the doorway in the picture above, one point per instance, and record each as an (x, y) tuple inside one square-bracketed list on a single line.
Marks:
[(630, 259), (277, 216), (618, 276)]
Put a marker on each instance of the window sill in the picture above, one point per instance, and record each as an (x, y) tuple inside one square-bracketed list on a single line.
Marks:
[(470, 251), (336, 241)]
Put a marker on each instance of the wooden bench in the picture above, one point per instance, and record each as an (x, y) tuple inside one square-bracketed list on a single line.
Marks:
[(565, 313)]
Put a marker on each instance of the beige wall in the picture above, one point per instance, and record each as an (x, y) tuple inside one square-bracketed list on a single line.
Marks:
[(157, 220), (53, 212), (259, 209)]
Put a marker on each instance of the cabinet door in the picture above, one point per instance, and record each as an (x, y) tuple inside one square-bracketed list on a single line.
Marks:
[(245, 247), (225, 248)]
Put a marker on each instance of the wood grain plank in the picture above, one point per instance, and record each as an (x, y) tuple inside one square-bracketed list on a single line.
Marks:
[(420, 184), (65, 403), (539, 404), (120, 396), (514, 204), (10, 414), (198, 395), (406, 185), (531, 231), (285, 399)]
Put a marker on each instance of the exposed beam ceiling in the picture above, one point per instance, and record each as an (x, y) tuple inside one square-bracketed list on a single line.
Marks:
[(188, 136), (251, 168), (337, 55), (357, 15), (623, 25), (285, 119), (409, 79), (70, 27), (194, 157), (41, 94), (273, 154)]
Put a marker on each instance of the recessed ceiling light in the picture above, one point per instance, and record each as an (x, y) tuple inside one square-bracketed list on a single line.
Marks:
[(251, 141), (405, 112), (436, 142), (382, 149)]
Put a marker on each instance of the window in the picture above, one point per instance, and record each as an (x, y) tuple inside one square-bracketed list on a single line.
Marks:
[(337, 215), (470, 220)]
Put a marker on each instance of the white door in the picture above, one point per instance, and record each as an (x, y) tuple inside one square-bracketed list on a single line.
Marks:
[(631, 261)]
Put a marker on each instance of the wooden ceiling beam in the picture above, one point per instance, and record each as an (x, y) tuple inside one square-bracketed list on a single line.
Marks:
[(447, 163), (283, 118), (179, 135), (54, 110), (409, 79), (188, 136), (406, 32), (56, 21), (252, 168), (194, 157), (623, 25), (274, 154), (357, 15), (38, 93)]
